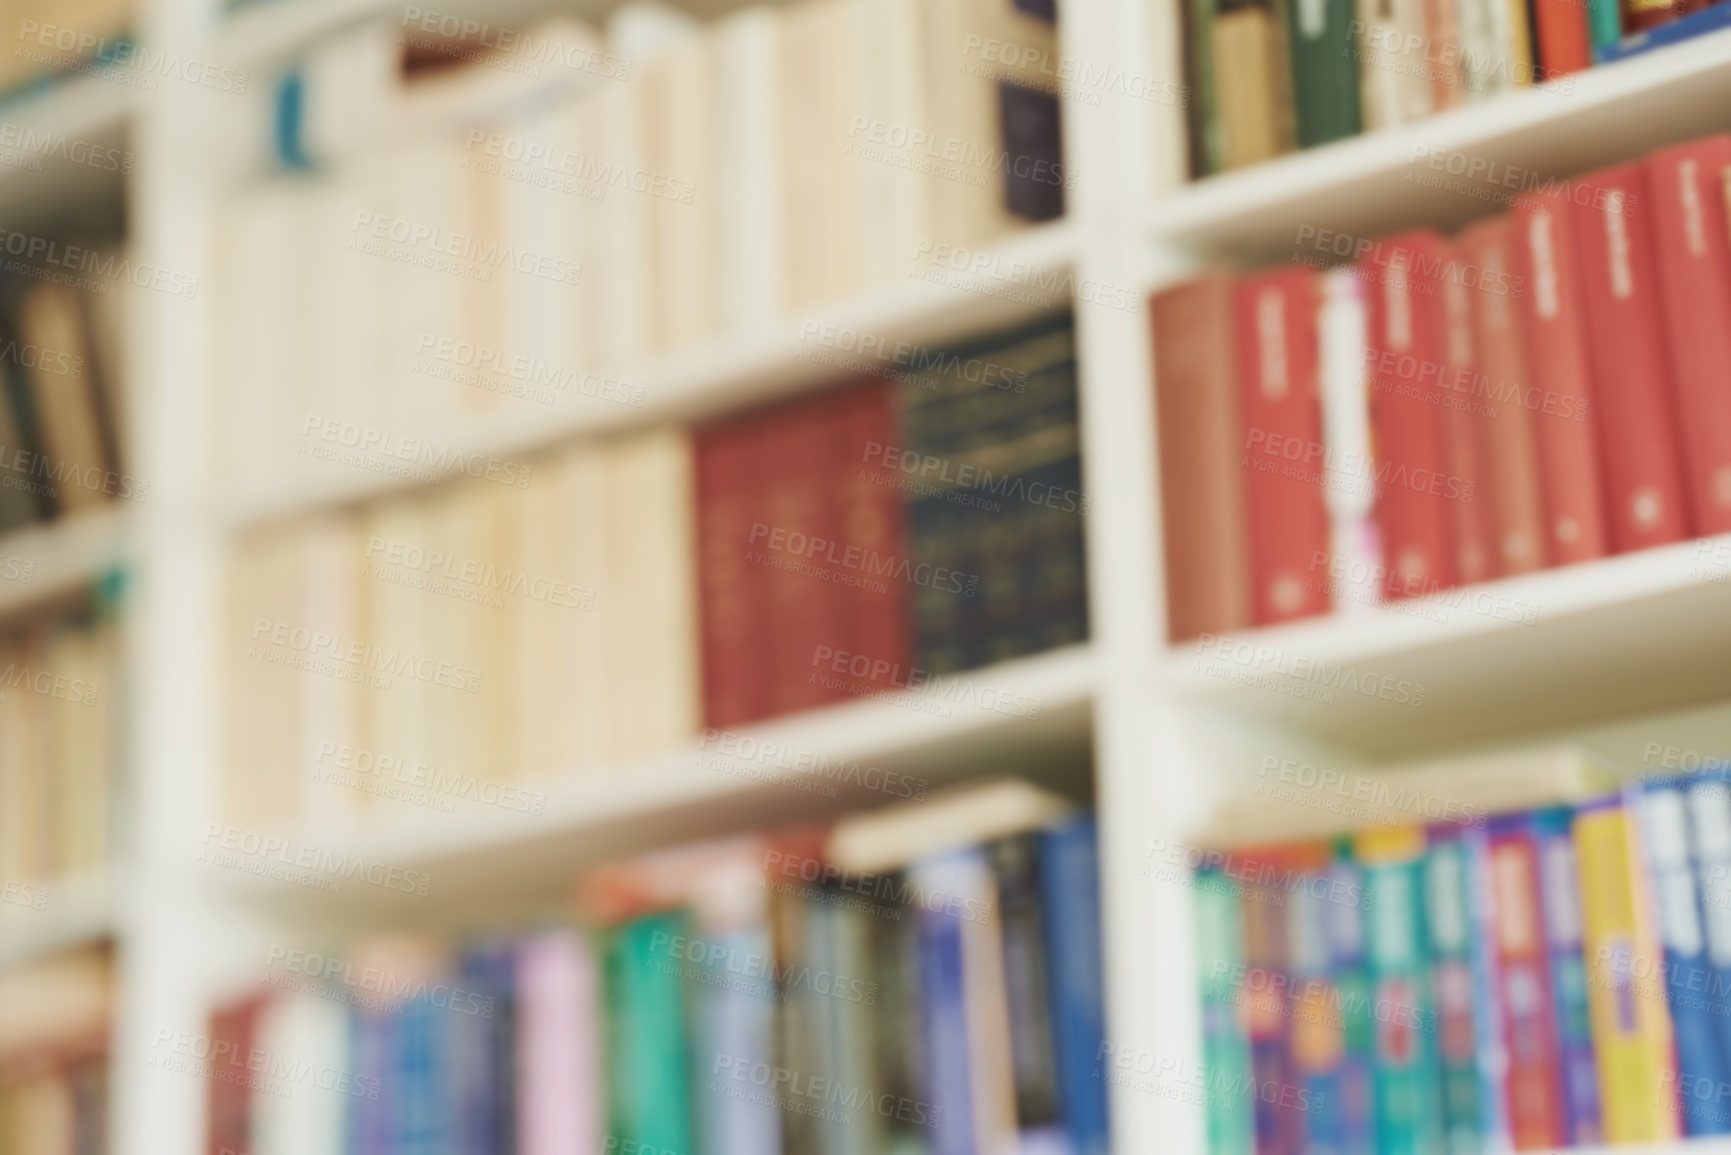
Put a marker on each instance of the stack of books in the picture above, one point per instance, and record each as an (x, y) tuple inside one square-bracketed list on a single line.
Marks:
[(465, 237), (59, 749), (926, 977), (604, 602), (1269, 76), (62, 406), (1546, 388), (54, 1031), (1543, 967)]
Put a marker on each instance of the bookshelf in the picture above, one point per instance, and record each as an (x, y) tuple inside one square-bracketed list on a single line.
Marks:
[(1631, 636)]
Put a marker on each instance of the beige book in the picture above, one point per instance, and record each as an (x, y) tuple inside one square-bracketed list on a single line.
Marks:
[(1415, 72), (62, 380), (889, 107), (44, 1115), (544, 316), (344, 298), (396, 709), (76, 779), (685, 216), (270, 659), (892, 837), (651, 620), (618, 230), (985, 992), (57, 35), (820, 195), (428, 273), (106, 322), (587, 708), (1294, 802), (14, 808), (451, 630), (753, 256), (331, 545), (1246, 43), (63, 1001), (1381, 87), (482, 204), (531, 536)]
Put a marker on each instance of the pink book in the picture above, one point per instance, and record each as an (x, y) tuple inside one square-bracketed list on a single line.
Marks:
[(558, 1029)]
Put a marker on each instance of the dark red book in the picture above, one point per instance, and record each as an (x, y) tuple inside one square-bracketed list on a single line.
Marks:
[(1536, 1111), (1416, 493), (1565, 416), (1466, 418), (795, 526), (732, 605), (1688, 215), (1562, 38), (1646, 501), (1282, 453), (232, 1033), (877, 623)]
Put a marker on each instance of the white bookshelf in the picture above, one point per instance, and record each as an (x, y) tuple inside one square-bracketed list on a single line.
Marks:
[(1637, 637)]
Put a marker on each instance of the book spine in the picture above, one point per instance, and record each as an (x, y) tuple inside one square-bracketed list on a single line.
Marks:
[(1202, 487), (557, 1072), (1408, 1091), (1503, 385), (1443, 58), (1565, 41), (1416, 492), (731, 590), (1316, 1040), (1466, 420), (1605, 23), (1354, 570), (649, 1058), (1225, 1040), (1710, 853), (1027, 980), (1349, 972), (943, 1007), (1647, 502), (1280, 1127), (1565, 422), (1559, 875), (877, 622), (1493, 1055), (1694, 264), (1535, 1096), (1282, 458), (1687, 975), (1324, 73), (1448, 903), (1070, 890), (1631, 1027)]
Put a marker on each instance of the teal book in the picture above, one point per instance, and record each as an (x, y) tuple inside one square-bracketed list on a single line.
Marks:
[(1225, 1038), (1605, 22), (1324, 70), (1407, 1081), (648, 1061)]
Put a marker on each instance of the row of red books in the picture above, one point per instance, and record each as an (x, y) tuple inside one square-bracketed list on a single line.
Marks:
[(1550, 386)]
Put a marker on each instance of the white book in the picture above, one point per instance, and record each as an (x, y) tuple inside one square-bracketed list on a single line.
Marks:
[(1349, 474), (587, 709), (429, 262), (685, 216), (753, 240), (351, 83), (302, 1031), (889, 106), (618, 231), (332, 552), (545, 208), (395, 712)]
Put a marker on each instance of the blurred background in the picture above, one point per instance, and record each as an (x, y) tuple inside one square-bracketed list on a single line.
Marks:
[(864, 576)]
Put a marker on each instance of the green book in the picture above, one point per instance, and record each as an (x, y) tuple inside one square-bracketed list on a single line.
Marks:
[(1407, 1084), (648, 1085), (1605, 20), (1324, 70), (1225, 1043), (1201, 115)]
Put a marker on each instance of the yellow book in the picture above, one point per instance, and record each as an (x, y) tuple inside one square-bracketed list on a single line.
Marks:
[(1626, 1003)]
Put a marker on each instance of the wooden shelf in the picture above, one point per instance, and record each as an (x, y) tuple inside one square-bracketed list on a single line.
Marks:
[(1642, 631), (1029, 716)]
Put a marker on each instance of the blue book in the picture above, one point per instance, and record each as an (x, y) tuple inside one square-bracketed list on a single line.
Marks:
[(1316, 1042), (1695, 24), (1493, 1055), (486, 1051), (1710, 853), (1449, 909), (1559, 876), (733, 1015), (1665, 849), (1343, 924), (422, 1116), (943, 1007), (1070, 882), (371, 1044)]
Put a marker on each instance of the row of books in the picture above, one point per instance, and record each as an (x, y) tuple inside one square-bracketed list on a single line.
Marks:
[(604, 602), (1271, 76), (59, 750), (535, 247), (62, 406), (54, 1031), (926, 977), (1546, 388), (50, 37), (1528, 979)]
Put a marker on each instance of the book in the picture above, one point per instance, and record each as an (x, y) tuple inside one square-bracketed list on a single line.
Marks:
[(557, 1061), (1450, 905), (1317, 1040), (1709, 19), (1280, 411), (1640, 447), (1354, 574), (1466, 421), (892, 836), (1444, 57), (1688, 225), (1631, 1029), (1325, 75), (1344, 925), (1605, 24), (873, 621), (649, 1092), (1565, 425), (1559, 884), (1201, 112), (1565, 42), (733, 613), (1027, 974), (1280, 1125), (1225, 1038), (1201, 485), (1069, 888), (1252, 81), (67, 405), (1709, 804)]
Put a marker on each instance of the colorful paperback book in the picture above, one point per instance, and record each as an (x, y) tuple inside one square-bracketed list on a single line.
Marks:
[(1316, 1044), (1534, 1089), (1408, 1088), (1710, 851), (1344, 924), (1225, 1041), (1493, 1056), (1279, 1125), (1559, 876), (1448, 902)]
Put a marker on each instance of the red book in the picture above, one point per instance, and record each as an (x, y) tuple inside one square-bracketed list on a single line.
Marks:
[(1504, 385), (1416, 493), (732, 604), (1688, 216), (1565, 419), (795, 525), (878, 622), (1281, 410), (1564, 42), (1535, 1096), (232, 1032), (1466, 417), (1646, 500)]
